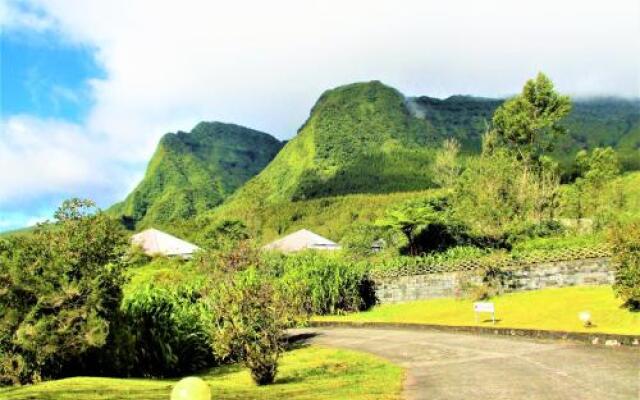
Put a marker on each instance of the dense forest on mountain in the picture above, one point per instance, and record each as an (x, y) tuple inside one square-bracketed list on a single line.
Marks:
[(359, 138), (597, 122), (366, 140), (193, 172)]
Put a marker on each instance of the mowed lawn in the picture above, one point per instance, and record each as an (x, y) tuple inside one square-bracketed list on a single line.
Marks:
[(548, 309), (307, 373)]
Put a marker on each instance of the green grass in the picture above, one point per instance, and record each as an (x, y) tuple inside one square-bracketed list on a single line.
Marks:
[(547, 309), (306, 373)]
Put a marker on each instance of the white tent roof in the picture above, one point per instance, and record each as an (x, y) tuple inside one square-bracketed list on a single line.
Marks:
[(155, 242), (301, 240)]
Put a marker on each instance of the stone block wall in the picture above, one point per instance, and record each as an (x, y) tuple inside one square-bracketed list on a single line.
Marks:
[(593, 271)]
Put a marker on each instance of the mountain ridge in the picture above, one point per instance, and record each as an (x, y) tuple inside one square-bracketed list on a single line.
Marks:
[(367, 137)]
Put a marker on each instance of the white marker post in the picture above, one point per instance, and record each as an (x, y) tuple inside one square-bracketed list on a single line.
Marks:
[(485, 307)]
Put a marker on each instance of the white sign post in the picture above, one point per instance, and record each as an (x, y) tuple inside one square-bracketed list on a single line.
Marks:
[(485, 307)]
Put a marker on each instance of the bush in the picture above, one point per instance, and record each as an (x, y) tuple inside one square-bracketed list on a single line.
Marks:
[(325, 284), (626, 256), (60, 288), (483, 283), (163, 313), (532, 230), (251, 317)]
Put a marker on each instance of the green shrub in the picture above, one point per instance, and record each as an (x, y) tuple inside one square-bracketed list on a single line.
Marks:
[(532, 230), (483, 283), (60, 288), (326, 284), (164, 313), (250, 319), (626, 256)]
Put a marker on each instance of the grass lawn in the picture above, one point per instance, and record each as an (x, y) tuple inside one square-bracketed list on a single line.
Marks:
[(549, 309), (306, 373)]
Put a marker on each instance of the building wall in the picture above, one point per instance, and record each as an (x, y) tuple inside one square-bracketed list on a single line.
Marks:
[(592, 271)]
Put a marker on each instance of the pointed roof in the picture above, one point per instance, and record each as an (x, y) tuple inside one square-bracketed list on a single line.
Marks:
[(155, 242), (301, 240)]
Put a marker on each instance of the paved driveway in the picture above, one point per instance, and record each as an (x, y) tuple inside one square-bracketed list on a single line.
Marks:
[(462, 366)]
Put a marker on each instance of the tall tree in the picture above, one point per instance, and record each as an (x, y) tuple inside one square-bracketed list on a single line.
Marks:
[(596, 193), (528, 123)]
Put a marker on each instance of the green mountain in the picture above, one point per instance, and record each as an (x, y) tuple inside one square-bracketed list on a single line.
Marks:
[(367, 138), (362, 138), (359, 138), (194, 172)]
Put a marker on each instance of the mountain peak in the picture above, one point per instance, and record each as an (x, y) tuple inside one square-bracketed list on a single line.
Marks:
[(195, 171)]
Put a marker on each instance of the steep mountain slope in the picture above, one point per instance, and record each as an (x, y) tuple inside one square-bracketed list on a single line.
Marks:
[(193, 172), (359, 138)]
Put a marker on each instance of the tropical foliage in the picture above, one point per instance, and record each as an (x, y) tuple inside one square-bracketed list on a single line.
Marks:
[(60, 288), (626, 241)]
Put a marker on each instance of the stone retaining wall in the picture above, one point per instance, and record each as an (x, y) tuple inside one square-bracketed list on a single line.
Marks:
[(592, 271)]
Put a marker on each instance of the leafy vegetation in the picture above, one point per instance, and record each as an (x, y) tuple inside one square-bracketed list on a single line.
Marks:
[(596, 192), (194, 172), (251, 319), (528, 124), (332, 217), (163, 319), (351, 219), (310, 373), (626, 242), (325, 284), (547, 309), (60, 289)]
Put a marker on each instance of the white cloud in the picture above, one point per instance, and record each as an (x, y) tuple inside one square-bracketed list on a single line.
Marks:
[(264, 63), (170, 64), (51, 157)]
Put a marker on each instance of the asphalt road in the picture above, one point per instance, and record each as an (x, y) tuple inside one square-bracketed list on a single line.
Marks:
[(464, 366)]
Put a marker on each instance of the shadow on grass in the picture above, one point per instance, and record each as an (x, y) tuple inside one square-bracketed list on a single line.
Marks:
[(298, 341), (631, 305)]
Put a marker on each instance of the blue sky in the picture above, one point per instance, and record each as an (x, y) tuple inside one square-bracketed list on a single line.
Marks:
[(89, 86), (46, 77)]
